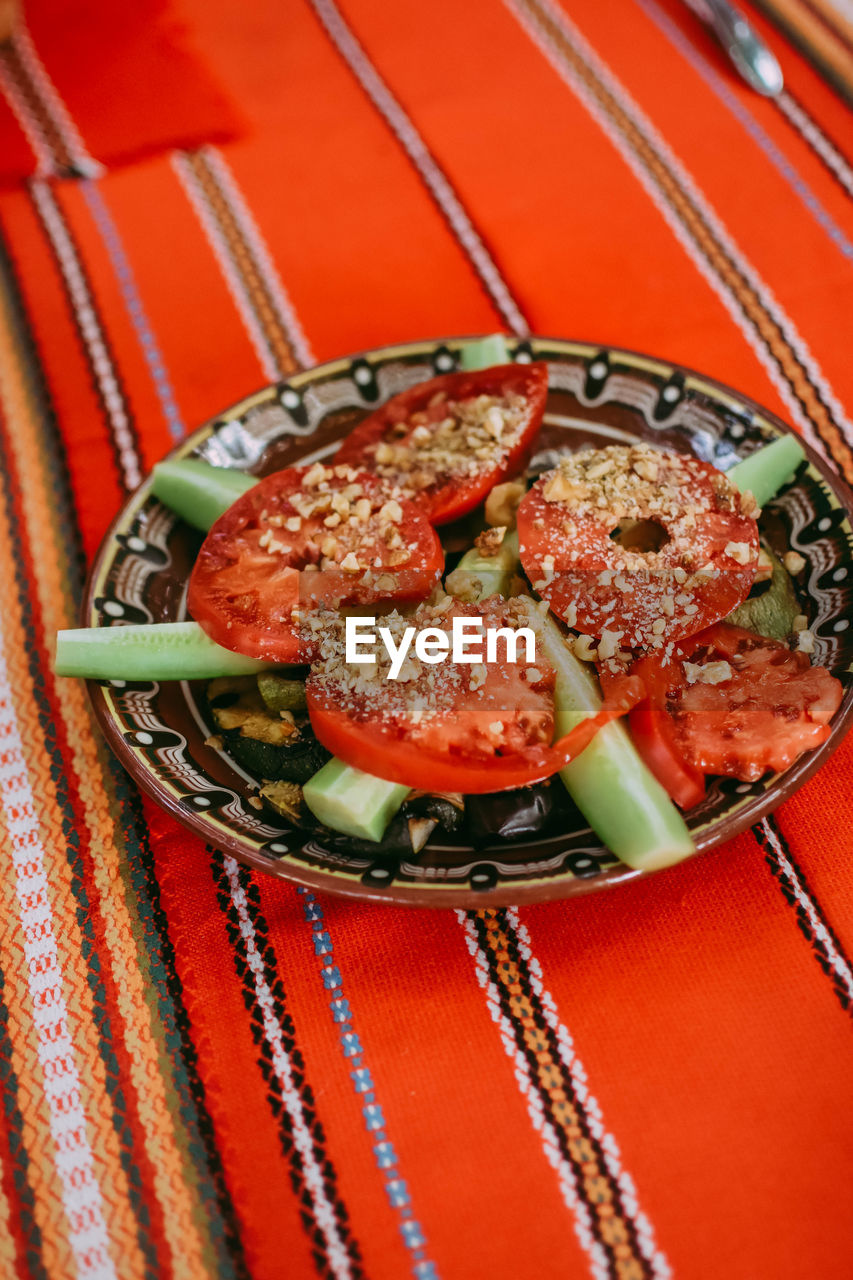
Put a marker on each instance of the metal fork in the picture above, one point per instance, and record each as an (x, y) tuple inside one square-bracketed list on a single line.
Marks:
[(744, 46)]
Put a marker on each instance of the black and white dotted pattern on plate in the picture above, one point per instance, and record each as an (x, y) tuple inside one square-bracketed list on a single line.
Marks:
[(671, 395), (597, 373), (381, 873), (154, 739), (293, 404), (365, 380), (207, 801), (136, 546), (113, 610), (444, 360)]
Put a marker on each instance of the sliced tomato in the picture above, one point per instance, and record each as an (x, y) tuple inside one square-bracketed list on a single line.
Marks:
[(446, 442), (649, 545), (769, 708), (453, 727), (654, 737), (307, 538)]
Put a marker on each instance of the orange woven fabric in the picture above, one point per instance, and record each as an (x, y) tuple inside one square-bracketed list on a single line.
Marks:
[(207, 1073)]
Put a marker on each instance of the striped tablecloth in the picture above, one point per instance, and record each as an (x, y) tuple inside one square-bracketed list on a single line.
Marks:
[(206, 1073)]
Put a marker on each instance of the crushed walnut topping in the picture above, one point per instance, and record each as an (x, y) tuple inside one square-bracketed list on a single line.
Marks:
[(707, 673), (502, 503), (453, 439), (635, 540), (343, 526), (488, 543)]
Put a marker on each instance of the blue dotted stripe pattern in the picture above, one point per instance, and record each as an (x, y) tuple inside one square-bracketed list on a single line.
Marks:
[(352, 1049)]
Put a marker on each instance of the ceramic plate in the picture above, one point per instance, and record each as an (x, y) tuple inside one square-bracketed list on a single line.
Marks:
[(597, 396)]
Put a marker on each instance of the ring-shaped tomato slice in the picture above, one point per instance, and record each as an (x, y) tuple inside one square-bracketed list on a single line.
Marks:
[(447, 442), (302, 539), (645, 544)]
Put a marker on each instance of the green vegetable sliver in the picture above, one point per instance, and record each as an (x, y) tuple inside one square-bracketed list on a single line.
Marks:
[(198, 492), (147, 651), (484, 353), (764, 472), (624, 804), (353, 802)]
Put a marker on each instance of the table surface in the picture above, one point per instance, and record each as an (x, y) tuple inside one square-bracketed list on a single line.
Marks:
[(208, 1073)]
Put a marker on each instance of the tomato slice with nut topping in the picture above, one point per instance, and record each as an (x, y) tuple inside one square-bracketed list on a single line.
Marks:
[(645, 545), (447, 442), (470, 728), (303, 539)]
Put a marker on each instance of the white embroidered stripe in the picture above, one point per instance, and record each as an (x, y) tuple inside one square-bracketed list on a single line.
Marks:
[(83, 162), (417, 151), (126, 279), (91, 331), (645, 1232), (81, 1194), (274, 1036), (821, 933), (596, 1254), (20, 108), (536, 16), (198, 199), (817, 139), (249, 227)]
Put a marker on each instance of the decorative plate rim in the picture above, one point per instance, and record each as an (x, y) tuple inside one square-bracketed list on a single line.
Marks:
[(209, 828)]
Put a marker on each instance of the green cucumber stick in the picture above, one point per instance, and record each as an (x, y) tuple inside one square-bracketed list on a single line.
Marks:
[(484, 353), (351, 801), (196, 491), (624, 804), (764, 472), (147, 651)]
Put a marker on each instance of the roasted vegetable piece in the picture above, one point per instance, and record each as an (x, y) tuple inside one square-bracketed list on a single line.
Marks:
[(770, 612), (266, 744), (282, 693), (286, 799)]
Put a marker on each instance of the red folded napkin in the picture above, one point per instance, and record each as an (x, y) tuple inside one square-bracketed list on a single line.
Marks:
[(58, 71)]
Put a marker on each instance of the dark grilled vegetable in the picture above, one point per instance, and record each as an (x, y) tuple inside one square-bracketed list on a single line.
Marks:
[(274, 746), (447, 810), (421, 815), (405, 836), (297, 761), (511, 815)]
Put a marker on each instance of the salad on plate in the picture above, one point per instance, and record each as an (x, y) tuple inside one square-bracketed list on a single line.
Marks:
[(421, 635)]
